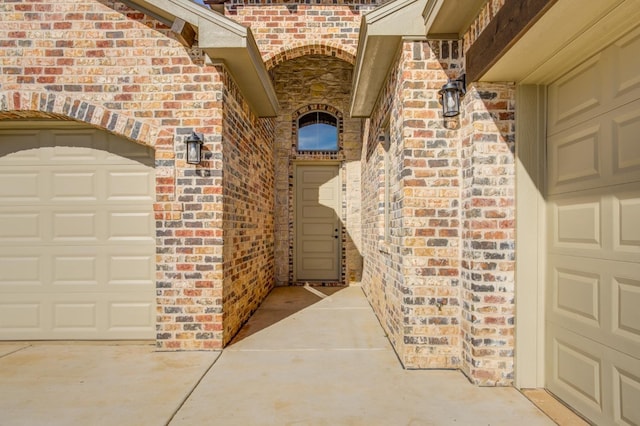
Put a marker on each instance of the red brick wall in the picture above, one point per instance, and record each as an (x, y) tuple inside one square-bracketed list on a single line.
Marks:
[(116, 69)]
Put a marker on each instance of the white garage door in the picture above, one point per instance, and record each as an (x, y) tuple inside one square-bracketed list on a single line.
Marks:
[(593, 219), (77, 232)]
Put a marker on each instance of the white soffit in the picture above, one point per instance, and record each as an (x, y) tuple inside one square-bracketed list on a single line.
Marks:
[(226, 41), (567, 34), (381, 32)]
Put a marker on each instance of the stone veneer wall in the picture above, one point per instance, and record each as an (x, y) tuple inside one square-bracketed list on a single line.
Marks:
[(101, 63), (310, 50), (413, 279), (307, 83)]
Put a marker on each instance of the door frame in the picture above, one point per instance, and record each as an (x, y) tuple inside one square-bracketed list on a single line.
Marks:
[(531, 226), (293, 235)]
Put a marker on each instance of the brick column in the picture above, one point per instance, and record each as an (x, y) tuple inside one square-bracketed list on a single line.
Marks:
[(488, 252)]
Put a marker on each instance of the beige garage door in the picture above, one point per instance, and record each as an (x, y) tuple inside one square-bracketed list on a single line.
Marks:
[(593, 219), (76, 234)]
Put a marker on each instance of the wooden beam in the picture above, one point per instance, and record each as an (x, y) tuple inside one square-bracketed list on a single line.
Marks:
[(511, 22), (184, 31)]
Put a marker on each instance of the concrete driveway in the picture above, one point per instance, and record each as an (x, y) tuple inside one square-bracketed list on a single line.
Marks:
[(307, 357)]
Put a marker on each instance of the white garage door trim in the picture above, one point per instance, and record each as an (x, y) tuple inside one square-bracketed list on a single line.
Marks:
[(77, 234)]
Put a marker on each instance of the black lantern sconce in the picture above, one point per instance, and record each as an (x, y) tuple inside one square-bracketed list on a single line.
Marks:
[(450, 95), (194, 148)]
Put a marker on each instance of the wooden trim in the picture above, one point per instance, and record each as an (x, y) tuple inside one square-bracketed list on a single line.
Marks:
[(184, 31), (511, 22)]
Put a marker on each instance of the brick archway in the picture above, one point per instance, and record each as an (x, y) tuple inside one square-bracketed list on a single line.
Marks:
[(34, 105), (313, 48)]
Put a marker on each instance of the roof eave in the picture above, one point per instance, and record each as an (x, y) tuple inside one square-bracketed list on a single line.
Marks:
[(381, 32), (223, 40)]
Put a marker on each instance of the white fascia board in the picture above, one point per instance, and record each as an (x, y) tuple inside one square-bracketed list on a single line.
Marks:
[(381, 32), (224, 40)]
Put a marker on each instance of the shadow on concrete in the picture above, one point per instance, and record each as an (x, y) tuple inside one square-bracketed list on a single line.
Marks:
[(281, 303)]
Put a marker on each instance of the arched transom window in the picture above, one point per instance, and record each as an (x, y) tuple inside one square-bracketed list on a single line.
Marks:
[(318, 131)]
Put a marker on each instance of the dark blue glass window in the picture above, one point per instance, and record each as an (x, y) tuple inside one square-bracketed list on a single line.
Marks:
[(318, 131)]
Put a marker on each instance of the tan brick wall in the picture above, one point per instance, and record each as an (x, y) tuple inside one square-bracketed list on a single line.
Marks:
[(285, 30), (248, 212), (101, 63), (413, 280), (306, 83), (310, 50), (488, 227)]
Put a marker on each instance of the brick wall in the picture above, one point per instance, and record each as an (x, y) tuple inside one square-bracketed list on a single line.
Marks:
[(488, 215), (286, 30), (488, 226), (307, 83), (382, 279), (248, 214), (413, 278), (116, 69)]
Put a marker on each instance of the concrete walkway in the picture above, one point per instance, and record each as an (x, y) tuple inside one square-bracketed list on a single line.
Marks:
[(307, 357)]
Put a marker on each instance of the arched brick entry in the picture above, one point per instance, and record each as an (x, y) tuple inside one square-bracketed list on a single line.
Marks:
[(41, 105), (313, 48)]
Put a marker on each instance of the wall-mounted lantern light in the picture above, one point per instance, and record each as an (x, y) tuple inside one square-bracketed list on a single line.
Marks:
[(194, 148), (450, 95)]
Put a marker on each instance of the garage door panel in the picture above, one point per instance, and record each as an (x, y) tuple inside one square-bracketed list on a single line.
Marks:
[(19, 186), (75, 226), (626, 312), (578, 372), (626, 225), (131, 226), (626, 140), (578, 294), (79, 185), (44, 147), (77, 236), (606, 81), (600, 223), (123, 184), (596, 298), (598, 381), (20, 226), (19, 269), (592, 313), (133, 270), (577, 223), (23, 147), (81, 225), (626, 64), (576, 156), (131, 315), (576, 94), (18, 316), (605, 151), (75, 316), (626, 396)]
